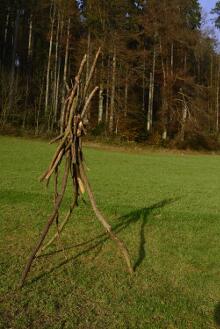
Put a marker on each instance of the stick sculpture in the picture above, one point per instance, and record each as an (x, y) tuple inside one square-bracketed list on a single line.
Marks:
[(70, 151)]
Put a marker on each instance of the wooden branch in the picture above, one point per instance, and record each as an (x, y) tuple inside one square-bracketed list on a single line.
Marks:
[(48, 225), (56, 139), (103, 220), (91, 73), (70, 147), (71, 115), (88, 101), (56, 194), (74, 90), (61, 227), (54, 158), (59, 158)]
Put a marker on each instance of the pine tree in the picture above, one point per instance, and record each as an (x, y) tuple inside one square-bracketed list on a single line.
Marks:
[(216, 11)]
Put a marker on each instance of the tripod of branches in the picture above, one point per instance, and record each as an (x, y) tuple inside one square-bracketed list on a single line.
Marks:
[(69, 150)]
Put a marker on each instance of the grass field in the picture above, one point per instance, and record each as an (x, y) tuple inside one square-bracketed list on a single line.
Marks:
[(165, 207)]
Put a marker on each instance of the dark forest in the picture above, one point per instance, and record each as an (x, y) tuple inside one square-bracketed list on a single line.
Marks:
[(158, 73)]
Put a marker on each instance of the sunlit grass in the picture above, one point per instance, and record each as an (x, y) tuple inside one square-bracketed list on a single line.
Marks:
[(165, 207)]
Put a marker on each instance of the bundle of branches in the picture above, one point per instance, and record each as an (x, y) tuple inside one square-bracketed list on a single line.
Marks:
[(73, 122)]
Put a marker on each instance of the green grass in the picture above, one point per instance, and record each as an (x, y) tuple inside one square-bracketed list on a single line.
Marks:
[(165, 207)]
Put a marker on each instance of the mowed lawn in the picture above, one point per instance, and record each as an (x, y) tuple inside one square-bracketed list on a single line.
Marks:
[(165, 207)]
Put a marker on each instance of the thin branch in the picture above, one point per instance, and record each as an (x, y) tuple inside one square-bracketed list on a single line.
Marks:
[(49, 223), (103, 220)]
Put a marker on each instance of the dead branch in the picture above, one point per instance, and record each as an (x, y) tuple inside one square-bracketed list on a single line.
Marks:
[(70, 148), (103, 220), (49, 223)]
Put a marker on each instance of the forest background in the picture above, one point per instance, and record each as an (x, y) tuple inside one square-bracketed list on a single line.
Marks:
[(158, 74)]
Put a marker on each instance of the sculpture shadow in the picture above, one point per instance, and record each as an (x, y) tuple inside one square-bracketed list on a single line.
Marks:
[(143, 216), (217, 314), (124, 222)]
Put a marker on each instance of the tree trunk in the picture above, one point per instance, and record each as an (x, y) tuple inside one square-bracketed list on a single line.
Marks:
[(56, 76), (49, 61), (151, 95), (29, 55), (217, 99), (88, 63), (172, 59), (107, 93), (30, 37), (149, 114), (65, 77), (88, 54), (126, 95), (164, 96), (144, 85), (112, 105), (12, 82), (38, 108), (217, 109), (184, 117), (101, 98), (6, 34)]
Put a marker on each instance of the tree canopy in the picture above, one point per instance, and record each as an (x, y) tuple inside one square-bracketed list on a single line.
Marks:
[(158, 75)]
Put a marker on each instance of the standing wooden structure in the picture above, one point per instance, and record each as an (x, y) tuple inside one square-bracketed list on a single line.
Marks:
[(70, 151)]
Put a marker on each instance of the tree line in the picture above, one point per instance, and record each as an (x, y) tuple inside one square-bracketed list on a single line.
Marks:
[(158, 73)]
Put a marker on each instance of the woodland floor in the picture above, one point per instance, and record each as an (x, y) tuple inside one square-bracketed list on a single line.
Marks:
[(166, 207)]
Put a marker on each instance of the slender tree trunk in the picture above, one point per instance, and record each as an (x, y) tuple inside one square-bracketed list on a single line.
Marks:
[(151, 95), (101, 97), (56, 75), (30, 37), (88, 54), (12, 82), (210, 96), (65, 76), (49, 61), (6, 34), (217, 99), (164, 96), (38, 108), (57, 89), (184, 117), (172, 59), (217, 109), (126, 95), (107, 93), (29, 55), (88, 64), (26, 104), (149, 114), (144, 85), (101, 100), (112, 105), (185, 64), (165, 113)]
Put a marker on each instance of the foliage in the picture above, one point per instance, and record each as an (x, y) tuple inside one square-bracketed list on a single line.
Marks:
[(216, 11), (152, 54)]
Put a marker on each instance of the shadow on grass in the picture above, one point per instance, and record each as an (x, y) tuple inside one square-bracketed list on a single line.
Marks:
[(217, 314), (16, 197), (124, 221)]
